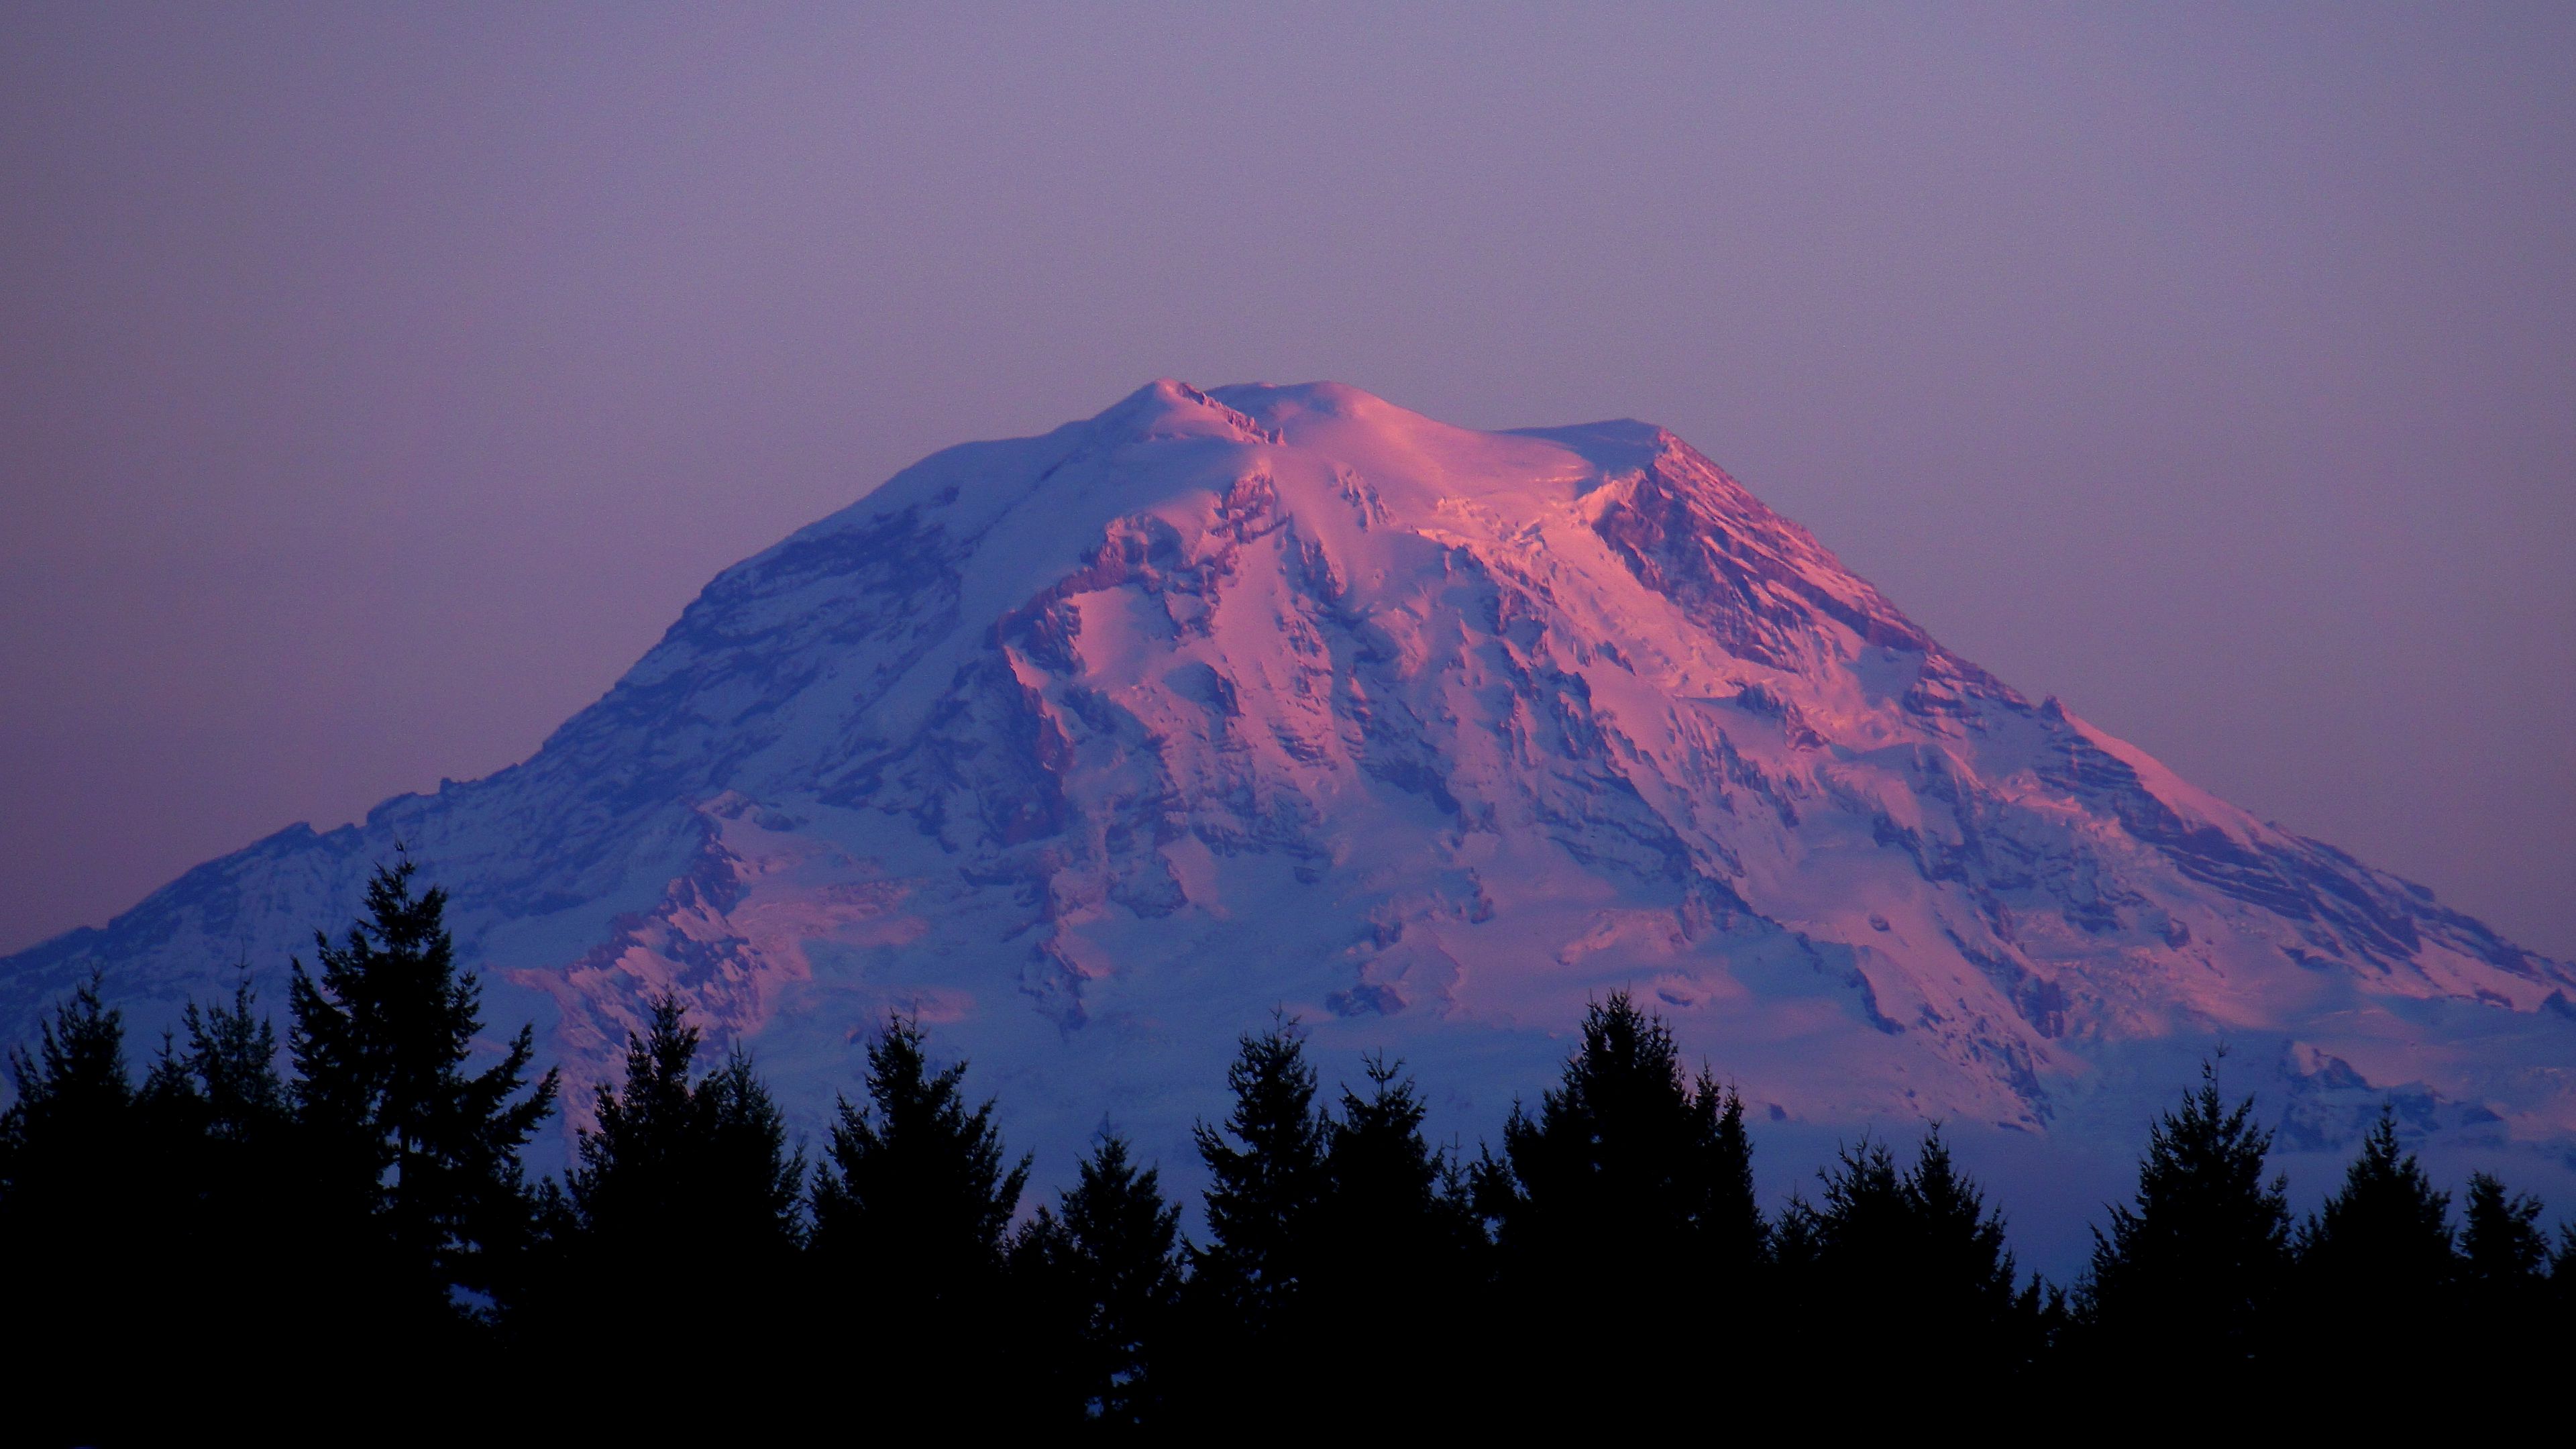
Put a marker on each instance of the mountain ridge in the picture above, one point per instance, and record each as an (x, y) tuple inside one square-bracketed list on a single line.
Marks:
[(1091, 748)]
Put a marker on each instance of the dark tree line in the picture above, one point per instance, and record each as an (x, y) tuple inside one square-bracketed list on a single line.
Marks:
[(226, 1222), (331, 1236)]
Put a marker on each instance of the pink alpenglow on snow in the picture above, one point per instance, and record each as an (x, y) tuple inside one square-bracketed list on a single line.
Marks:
[(1092, 748)]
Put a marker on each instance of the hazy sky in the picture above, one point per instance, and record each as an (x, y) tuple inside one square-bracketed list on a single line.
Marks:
[(377, 383)]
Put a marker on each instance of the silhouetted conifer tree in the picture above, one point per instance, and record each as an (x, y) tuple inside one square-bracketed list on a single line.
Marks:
[(1265, 1178), (1730, 1225), (1101, 1283), (1838, 1249), (685, 1185), (2504, 1280), (697, 1164), (1626, 1143), (413, 1160), (1964, 1273), (75, 1098), (2188, 1279), (909, 1210), (218, 1116), (226, 1085), (63, 1139), (1625, 1162), (1908, 1271), (1397, 1257), (2378, 1257), (1245, 1337), (1393, 1210), (2503, 1247), (80, 1228)]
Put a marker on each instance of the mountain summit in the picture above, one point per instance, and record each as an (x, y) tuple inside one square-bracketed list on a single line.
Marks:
[(1094, 748)]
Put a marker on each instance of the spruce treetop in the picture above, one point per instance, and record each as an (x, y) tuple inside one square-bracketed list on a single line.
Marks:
[(915, 1174), (2194, 1264), (1266, 1169), (381, 1036)]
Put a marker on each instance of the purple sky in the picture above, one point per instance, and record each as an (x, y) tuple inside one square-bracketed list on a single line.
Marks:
[(377, 383)]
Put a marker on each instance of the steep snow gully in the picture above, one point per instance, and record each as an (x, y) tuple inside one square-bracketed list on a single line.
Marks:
[(1094, 748)]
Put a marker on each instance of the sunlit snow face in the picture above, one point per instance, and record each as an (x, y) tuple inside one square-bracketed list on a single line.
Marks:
[(1091, 749), (380, 383)]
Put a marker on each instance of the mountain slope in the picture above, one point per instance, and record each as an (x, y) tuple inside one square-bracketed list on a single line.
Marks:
[(1095, 747)]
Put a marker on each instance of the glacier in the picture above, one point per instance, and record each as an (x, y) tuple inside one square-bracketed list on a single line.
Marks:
[(1096, 749)]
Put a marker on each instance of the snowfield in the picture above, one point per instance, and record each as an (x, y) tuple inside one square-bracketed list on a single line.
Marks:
[(1094, 748)]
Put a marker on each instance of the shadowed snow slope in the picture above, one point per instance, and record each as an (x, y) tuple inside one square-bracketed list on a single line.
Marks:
[(1093, 748)]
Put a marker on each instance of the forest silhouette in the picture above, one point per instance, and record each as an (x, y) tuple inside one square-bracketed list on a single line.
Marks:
[(332, 1236)]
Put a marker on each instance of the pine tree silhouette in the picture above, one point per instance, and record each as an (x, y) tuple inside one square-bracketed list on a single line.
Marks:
[(2502, 1246), (414, 1160), (1839, 1248), (1397, 1256), (1730, 1221), (1245, 1335), (218, 1118), (79, 1227), (1625, 1151), (2504, 1281), (2188, 1280), (75, 1104), (1833, 1262), (684, 1185), (1103, 1281), (909, 1210), (683, 1162), (73, 1095), (1265, 1177), (756, 1180), (2378, 1257), (1387, 1214), (1963, 1285), (226, 1085), (1908, 1271)]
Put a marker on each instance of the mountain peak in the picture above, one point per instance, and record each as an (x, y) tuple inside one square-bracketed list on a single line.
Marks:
[(1168, 408), (1091, 748)]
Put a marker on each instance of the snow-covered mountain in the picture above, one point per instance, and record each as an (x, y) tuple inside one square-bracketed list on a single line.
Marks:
[(1094, 748)]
